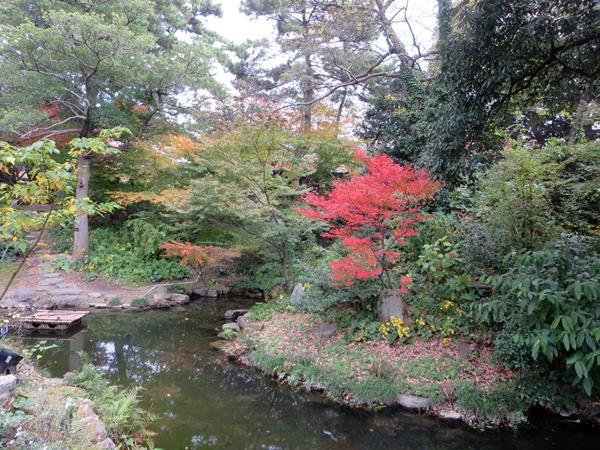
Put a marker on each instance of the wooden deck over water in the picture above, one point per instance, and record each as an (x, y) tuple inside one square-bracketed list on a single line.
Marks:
[(52, 320)]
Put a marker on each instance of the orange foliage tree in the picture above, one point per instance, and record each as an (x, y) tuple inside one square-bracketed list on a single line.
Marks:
[(198, 258)]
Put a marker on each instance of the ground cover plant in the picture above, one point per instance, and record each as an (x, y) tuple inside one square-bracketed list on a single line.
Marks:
[(372, 372)]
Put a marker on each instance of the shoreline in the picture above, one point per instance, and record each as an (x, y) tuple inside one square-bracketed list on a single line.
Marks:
[(449, 399)]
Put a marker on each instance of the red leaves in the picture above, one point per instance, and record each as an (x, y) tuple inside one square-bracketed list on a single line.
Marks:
[(372, 213), (196, 257)]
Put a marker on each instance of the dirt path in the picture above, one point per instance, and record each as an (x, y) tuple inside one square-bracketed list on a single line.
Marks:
[(41, 285)]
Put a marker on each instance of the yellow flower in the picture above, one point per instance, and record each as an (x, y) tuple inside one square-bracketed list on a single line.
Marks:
[(420, 322), (447, 305)]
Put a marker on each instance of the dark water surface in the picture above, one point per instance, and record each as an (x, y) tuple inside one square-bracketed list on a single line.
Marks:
[(204, 401)]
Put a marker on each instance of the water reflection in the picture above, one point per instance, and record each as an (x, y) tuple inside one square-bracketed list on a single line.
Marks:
[(204, 401)]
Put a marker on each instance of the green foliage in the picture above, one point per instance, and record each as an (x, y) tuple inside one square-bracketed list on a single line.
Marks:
[(396, 118), (547, 307), (264, 311), (574, 185), (497, 406), (30, 175), (140, 302), (442, 291), (84, 58), (118, 408), (250, 180), (356, 323), (514, 202), (37, 350), (229, 333), (114, 254), (176, 288), (115, 302)]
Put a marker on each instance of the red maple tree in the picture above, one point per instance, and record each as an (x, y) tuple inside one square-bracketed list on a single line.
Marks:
[(372, 213)]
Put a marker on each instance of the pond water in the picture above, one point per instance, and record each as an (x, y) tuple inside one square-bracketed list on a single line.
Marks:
[(204, 401)]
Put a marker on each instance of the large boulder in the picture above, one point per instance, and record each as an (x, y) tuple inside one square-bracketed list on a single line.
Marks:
[(391, 304), (8, 386), (298, 295), (179, 299)]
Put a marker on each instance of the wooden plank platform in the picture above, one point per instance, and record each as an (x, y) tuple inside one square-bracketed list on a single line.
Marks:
[(52, 320)]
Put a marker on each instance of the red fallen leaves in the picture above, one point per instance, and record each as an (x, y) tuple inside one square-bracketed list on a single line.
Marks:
[(372, 213)]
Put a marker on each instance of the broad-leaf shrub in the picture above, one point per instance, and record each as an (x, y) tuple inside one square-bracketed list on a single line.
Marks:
[(548, 305), (514, 202), (574, 185), (113, 256), (443, 291)]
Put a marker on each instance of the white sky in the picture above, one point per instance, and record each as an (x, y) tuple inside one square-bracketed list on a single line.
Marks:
[(238, 27)]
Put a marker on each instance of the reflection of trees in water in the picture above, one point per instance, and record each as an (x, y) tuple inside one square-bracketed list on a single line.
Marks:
[(200, 396)]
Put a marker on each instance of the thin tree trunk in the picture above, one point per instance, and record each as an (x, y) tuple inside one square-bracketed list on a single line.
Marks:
[(285, 265), (308, 93), (338, 117), (576, 123), (29, 251), (81, 243)]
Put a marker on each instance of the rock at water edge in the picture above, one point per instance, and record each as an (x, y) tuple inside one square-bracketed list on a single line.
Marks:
[(233, 314), (231, 326), (413, 401)]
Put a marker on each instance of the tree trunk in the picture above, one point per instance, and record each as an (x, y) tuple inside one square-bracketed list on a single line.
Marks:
[(308, 93), (285, 266), (81, 238), (308, 86), (577, 123), (395, 45)]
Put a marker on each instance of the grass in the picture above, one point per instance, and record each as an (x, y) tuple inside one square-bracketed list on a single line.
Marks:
[(372, 374)]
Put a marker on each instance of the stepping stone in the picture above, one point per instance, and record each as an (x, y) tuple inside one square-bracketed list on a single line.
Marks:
[(231, 326), (65, 291), (51, 275), (233, 314), (25, 293), (99, 305), (50, 281)]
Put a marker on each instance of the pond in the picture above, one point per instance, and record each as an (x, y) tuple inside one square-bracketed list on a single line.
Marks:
[(204, 401)]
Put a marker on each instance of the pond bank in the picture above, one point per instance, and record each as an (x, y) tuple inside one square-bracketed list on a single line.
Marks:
[(49, 412), (200, 399), (452, 380)]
